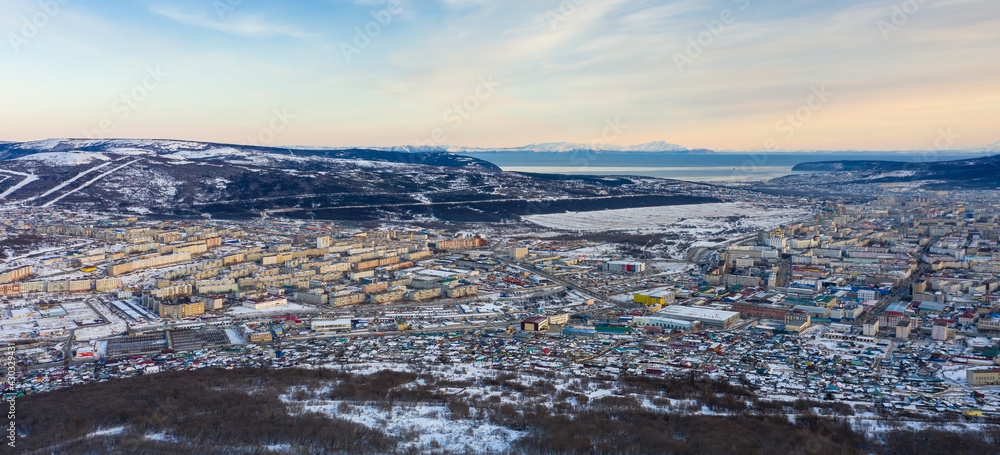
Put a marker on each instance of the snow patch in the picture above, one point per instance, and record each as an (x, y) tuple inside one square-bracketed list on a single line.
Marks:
[(71, 158)]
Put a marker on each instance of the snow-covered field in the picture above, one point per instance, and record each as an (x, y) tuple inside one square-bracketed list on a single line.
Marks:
[(671, 267), (683, 227), (707, 218), (287, 308), (70, 158), (432, 424)]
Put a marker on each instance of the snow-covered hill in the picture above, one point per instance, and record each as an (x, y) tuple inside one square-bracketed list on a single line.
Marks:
[(183, 178)]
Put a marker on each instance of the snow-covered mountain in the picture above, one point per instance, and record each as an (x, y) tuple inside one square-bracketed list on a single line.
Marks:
[(666, 147), (657, 146), (988, 148), (83, 151), (185, 178)]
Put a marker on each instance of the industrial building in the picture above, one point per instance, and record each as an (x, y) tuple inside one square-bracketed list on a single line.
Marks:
[(986, 376), (707, 316), (535, 324), (265, 303), (666, 323), (797, 321), (761, 310), (583, 332), (655, 297), (331, 325), (623, 267)]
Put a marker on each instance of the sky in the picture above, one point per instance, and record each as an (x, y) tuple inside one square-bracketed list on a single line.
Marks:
[(717, 74)]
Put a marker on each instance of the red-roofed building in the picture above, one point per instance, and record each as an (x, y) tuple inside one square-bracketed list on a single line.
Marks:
[(535, 324)]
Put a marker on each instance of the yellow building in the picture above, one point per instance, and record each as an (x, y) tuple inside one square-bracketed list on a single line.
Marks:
[(257, 332), (262, 304), (559, 319), (797, 321), (903, 329), (182, 310), (654, 297), (987, 376)]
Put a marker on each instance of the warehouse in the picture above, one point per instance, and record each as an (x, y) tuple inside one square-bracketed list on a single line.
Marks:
[(666, 323), (623, 267), (583, 332), (707, 316), (760, 310), (655, 297), (331, 325), (262, 304), (535, 324)]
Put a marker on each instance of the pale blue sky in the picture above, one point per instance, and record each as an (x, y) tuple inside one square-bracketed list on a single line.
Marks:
[(894, 75)]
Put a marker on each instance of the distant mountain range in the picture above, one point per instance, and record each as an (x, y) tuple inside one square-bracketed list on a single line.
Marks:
[(548, 147), (973, 173), (81, 151), (660, 147), (183, 178)]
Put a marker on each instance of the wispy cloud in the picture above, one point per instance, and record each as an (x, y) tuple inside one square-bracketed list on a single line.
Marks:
[(248, 25), (564, 66)]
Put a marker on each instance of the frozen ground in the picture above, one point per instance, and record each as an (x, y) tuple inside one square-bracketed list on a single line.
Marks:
[(681, 227), (671, 267), (704, 218), (287, 308)]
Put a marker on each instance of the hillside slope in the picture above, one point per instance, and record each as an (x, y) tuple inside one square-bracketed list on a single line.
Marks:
[(974, 173), (179, 178)]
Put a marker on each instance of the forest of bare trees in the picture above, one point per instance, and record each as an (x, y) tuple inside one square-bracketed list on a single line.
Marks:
[(239, 411)]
